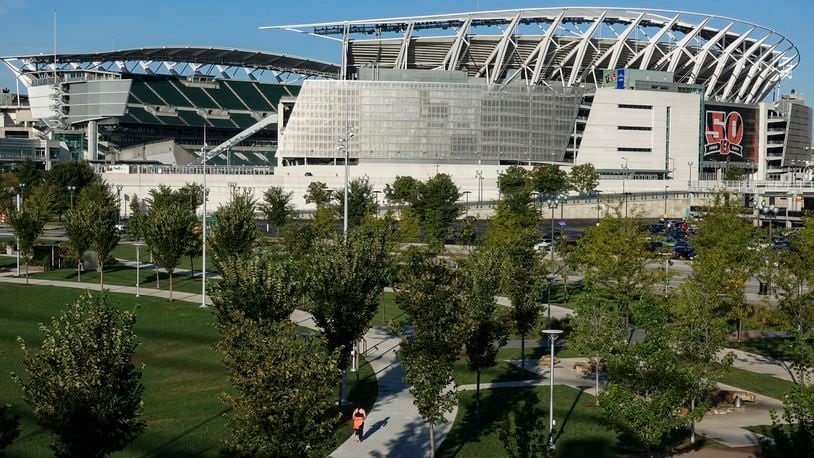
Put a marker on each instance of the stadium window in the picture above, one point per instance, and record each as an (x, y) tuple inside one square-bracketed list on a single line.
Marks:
[(634, 128), (623, 149), (636, 107)]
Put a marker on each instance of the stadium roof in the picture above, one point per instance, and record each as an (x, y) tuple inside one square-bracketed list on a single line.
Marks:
[(168, 56), (737, 61)]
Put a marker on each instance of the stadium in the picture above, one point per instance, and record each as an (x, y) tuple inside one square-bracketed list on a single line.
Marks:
[(652, 98)]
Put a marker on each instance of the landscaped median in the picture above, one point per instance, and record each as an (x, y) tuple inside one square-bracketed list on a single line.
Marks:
[(183, 373)]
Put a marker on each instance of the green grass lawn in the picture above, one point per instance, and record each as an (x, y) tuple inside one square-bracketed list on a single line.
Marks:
[(758, 383), (582, 429), (182, 377), (128, 251), (776, 347), (8, 262), (126, 276)]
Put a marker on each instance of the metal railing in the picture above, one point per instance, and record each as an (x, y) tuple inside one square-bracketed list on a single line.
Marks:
[(147, 169), (749, 187)]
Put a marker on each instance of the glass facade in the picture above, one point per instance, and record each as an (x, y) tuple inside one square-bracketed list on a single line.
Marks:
[(431, 121)]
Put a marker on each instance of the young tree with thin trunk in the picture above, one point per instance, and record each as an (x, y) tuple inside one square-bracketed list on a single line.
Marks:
[(598, 330), (486, 326), (430, 293), (234, 235), (30, 220), (102, 212), (277, 207), (343, 287), (167, 228), (82, 384), (78, 230)]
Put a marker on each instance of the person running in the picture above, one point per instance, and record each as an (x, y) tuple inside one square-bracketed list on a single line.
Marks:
[(359, 416)]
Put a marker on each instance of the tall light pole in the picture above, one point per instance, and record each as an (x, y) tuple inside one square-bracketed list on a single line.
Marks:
[(689, 164), (138, 267), (665, 200), (466, 194), (771, 212), (554, 202), (552, 335), (119, 201), (624, 179), (479, 176), (203, 225), (342, 145), (71, 189), (20, 193)]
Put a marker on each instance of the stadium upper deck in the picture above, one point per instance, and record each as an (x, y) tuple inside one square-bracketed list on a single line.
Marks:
[(737, 61)]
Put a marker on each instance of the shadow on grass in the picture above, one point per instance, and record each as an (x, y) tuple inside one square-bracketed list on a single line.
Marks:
[(170, 448)]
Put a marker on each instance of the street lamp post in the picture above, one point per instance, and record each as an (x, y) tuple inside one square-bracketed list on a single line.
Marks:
[(466, 194), (624, 179), (342, 145), (71, 189), (479, 176), (771, 212), (665, 200), (205, 197), (552, 335), (554, 202), (138, 267), (20, 193), (119, 202)]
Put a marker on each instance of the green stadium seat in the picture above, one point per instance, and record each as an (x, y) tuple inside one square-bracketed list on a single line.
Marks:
[(274, 92), (167, 90), (144, 94), (198, 97), (243, 120), (225, 98), (222, 123), (251, 96), (141, 115), (191, 118)]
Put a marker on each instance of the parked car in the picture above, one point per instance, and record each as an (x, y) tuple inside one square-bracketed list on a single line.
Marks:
[(543, 245), (122, 227), (683, 251)]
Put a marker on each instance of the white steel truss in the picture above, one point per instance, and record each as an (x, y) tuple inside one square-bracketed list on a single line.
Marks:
[(697, 48)]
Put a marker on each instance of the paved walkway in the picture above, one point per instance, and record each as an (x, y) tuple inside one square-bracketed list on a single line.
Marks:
[(726, 427), (761, 364)]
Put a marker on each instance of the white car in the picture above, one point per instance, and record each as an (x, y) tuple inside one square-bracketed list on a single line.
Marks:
[(543, 245)]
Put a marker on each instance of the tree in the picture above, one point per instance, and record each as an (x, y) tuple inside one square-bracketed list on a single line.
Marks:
[(598, 330), (324, 222), (485, 326), (437, 207), (468, 231), (792, 437), (9, 427), (29, 173), (78, 229), (515, 186), (277, 207), (403, 191), (283, 381), (613, 258), (361, 201), (234, 234), (83, 383), (167, 228), (134, 222), (584, 178), (318, 194), (522, 281), (29, 221), (430, 294), (69, 173), (99, 205), (725, 261), (549, 180), (650, 382), (734, 173), (346, 278), (260, 287), (409, 226), (525, 433)]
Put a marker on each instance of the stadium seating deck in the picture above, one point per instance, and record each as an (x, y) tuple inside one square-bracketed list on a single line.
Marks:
[(169, 93), (198, 96), (225, 98), (144, 94), (243, 120), (274, 92), (192, 118), (222, 123), (248, 92)]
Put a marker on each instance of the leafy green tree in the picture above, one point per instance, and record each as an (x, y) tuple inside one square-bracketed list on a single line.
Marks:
[(598, 330), (437, 206), (524, 431), (613, 259), (403, 191), (515, 186), (409, 226), (650, 382), (277, 207), (324, 222), (318, 194), (467, 232), (793, 435), (234, 234), (522, 278), (29, 221), (82, 383), (29, 173), (485, 326), (283, 382), (345, 281), (549, 180), (430, 293), (734, 173), (134, 222), (725, 261), (299, 239), (79, 231), (584, 178), (361, 201), (167, 229), (9, 427), (69, 173), (98, 204), (260, 287)]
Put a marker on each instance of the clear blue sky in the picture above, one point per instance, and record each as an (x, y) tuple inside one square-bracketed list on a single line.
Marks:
[(94, 25)]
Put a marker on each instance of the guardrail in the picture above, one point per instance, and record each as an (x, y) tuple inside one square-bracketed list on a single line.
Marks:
[(751, 187), (183, 169)]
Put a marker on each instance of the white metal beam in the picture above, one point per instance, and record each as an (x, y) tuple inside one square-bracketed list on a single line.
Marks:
[(739, 66), (498, 54), (755, 66), (681, 47), (401, 60), (723, 59), (583, 47), (453, 56), (647, 52), (614, 51), (542, 49), (701, 57)]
